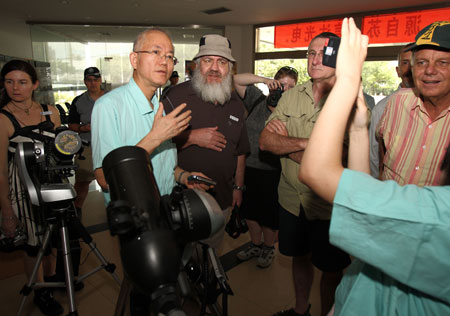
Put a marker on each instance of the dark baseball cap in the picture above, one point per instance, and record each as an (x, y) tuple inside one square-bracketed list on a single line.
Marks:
[(436, 34), (92, 71), (174, 74)]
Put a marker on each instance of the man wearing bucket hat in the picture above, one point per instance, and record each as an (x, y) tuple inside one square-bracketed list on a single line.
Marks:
[(414, 129), (216, 141)]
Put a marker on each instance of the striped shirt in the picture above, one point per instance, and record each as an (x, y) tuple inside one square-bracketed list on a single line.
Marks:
[(415, 144)]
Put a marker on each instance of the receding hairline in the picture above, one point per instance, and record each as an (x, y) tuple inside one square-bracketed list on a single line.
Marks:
[(402, 51), (138, 41)]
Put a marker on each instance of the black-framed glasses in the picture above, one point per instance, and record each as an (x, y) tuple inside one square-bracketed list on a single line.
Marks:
[(157, 53), (287, 68)]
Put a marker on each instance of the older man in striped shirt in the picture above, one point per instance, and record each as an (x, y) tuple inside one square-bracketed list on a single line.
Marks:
[(415, 128)]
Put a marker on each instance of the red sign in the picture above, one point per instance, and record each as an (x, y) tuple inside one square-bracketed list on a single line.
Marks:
[(300, 34), (400, 27), (381, 29)]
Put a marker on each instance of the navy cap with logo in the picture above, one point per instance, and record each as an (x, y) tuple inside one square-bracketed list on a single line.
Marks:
[(436, 34), (92, 71)]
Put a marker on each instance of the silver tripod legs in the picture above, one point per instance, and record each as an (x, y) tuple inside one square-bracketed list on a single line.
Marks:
[(26, 290), (68, 269), (62, 221)]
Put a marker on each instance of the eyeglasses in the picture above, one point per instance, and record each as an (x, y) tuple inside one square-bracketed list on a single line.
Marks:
[(312, 54), (287, 68), (157, 53)]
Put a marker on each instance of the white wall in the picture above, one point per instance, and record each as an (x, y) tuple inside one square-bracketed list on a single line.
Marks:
[(241, 38), (15, 37)]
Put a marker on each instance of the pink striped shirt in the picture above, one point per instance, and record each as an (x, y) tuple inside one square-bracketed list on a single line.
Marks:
[(415, 144)]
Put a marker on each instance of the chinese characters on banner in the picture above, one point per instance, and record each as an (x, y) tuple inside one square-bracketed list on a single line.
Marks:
[(300, 34), (381, 29), (400, 27)]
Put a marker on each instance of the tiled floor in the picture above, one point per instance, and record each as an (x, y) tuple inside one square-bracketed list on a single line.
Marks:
[(258, 292)]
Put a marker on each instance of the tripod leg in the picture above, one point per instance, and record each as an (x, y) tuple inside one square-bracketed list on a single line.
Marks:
[(87, 238), (125, 290), (68, 267), (26, 290)]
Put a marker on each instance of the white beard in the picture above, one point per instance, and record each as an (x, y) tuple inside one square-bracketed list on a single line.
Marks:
[(212, 92)]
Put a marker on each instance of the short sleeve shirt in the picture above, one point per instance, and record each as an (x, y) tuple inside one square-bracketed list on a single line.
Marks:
[(122, 118), (401, 239), (255, 103), (230, 120), (298, 111), (80, 113), (415, 144)]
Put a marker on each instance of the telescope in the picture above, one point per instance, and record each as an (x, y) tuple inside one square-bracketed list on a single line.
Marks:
[(153, 230)]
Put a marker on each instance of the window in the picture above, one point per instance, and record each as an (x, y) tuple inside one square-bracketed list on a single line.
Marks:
[(71, 48)]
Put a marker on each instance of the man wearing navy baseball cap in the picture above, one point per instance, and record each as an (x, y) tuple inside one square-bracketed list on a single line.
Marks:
[(92, 71), (80, 122)]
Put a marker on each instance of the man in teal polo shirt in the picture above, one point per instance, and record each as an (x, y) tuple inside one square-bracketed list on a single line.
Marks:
[(131, 114)]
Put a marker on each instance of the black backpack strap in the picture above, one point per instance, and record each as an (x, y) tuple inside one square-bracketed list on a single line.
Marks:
[(47, 115)]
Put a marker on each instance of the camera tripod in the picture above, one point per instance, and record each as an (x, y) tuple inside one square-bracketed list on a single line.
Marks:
[(61, 218)]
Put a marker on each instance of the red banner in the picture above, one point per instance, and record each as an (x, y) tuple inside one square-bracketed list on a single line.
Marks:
[(300, 34), (400, 27), (381, 29)]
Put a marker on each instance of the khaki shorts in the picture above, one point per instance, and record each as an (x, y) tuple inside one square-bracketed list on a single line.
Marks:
[(85, 172)]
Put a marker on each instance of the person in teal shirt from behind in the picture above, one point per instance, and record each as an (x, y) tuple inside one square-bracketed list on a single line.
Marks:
[(400, 237)]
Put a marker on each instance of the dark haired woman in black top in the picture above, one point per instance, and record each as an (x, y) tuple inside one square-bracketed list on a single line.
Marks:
[(17, 111)]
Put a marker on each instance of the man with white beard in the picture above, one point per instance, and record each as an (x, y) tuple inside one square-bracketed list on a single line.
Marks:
[(216, 141)]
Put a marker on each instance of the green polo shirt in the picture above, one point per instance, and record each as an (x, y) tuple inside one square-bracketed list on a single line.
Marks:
[(297, 109)]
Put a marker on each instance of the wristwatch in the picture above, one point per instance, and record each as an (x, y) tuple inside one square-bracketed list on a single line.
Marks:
[(236, 187)]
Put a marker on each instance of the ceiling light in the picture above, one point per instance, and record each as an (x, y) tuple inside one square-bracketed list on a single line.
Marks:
[(217, 10)]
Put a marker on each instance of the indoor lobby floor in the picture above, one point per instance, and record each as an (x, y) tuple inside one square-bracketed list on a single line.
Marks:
[(257, 292)]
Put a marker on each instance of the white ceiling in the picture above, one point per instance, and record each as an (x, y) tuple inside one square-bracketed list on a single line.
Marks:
[(185, 12)]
